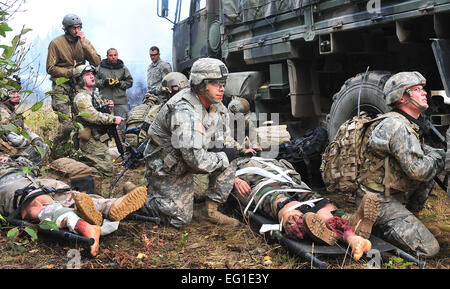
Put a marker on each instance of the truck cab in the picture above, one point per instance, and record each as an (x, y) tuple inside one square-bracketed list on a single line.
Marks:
[(318, 61)]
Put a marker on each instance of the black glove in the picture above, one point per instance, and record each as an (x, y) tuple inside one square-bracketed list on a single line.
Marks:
[(231, 153)]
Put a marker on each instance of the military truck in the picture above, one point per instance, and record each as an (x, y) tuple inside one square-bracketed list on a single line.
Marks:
[(318, 59)]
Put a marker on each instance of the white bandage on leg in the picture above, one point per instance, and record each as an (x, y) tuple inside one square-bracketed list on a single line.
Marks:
[(56, 213)]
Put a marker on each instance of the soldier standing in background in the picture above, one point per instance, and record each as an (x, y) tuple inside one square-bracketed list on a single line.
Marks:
[(113, 79), (64, 52), (156, 72)]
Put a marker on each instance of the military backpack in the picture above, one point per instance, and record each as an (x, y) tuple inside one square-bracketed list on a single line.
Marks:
[(341, 159)]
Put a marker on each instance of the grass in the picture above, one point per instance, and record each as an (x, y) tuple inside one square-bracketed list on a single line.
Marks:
[(199, 245)]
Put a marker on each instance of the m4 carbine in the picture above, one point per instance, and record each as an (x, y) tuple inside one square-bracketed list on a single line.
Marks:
[(133, 156), (111, 129)]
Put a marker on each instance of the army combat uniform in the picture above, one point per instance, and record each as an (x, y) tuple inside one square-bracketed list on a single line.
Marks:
[(93, 138), (407, 181), (180, 137), (17, 144), (155, 74), (62, 51)]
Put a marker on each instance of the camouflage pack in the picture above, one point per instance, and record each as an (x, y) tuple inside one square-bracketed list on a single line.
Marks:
[(342, 157)]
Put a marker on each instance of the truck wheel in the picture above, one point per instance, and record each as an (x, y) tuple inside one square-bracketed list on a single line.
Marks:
[(345, 102)]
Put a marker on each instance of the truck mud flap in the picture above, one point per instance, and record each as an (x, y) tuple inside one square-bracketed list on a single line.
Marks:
[(305, 250)]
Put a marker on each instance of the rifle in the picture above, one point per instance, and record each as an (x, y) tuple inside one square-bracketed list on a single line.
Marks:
[(111, 129), (133, 156), (437, 136), (136, 217), (54, 234)]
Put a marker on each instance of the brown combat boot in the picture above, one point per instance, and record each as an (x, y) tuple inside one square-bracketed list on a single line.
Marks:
[(214, 216), (318, 230), (128, 204), (86, 210), (128, 187), (366, 215)]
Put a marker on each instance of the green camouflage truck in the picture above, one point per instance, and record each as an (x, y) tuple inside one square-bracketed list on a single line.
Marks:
[(313, 60)]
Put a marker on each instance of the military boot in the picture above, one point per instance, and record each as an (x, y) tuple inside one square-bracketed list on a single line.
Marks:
[(366, 215), (127, 204), (214, 216), (128, 187), (86, 210)]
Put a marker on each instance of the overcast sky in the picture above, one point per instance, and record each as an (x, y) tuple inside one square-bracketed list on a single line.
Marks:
[(129, 26)]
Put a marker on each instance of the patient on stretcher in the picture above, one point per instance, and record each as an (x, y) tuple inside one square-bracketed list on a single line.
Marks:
[(273, 188)]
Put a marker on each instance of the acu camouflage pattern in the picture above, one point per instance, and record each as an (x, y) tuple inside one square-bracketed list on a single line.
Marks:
[(180, 137), (94, 150), (412, 166), (171, 197), (410, 161), (155, 74)]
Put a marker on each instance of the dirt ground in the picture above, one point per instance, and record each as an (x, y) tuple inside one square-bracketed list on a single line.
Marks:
[(201, 245)]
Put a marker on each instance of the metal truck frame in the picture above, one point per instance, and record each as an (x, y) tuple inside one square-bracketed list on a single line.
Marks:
[(311, 60)]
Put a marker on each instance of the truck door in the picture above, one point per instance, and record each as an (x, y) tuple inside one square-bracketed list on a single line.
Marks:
[(191, 36)]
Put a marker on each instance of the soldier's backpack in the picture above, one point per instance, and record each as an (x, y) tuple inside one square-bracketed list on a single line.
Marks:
[(342, 157), (135, 118), (304, 153)]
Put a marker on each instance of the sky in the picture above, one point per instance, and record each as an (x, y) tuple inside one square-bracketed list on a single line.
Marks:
[(131, 27)]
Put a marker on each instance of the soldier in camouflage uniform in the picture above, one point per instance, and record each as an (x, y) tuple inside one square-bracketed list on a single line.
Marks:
[(40, 199), (93, 138), (156, 72), (405, 179), (63, 53), (190, 135), (273, 188), (143, 115), (12, 143)]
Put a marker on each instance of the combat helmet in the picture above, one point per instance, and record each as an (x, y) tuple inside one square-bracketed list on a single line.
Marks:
[(173, 82), (207, 69), (81, 69), (70, 20), (397, 84)]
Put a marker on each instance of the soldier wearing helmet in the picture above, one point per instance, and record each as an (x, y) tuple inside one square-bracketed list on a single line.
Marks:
[(13, 142), (64, 52), (141, 116), (399, 167), (88, 108), (190, 135)]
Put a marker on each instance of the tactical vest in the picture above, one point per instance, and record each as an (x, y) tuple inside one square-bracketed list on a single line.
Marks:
[(389, 175)]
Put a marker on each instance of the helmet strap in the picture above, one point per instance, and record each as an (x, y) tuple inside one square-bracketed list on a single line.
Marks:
[(421, 107), (213, 101)]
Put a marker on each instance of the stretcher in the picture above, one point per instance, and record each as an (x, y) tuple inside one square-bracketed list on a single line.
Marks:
[(305, 248)]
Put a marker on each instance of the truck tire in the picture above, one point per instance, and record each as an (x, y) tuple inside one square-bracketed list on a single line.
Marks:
[(345, 102)]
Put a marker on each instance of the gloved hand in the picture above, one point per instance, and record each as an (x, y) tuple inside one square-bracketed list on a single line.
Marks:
[(231, 153)]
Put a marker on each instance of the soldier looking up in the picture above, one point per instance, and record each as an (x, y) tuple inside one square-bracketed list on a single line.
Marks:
[(93, 138), (63, 53), (405, 179)]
